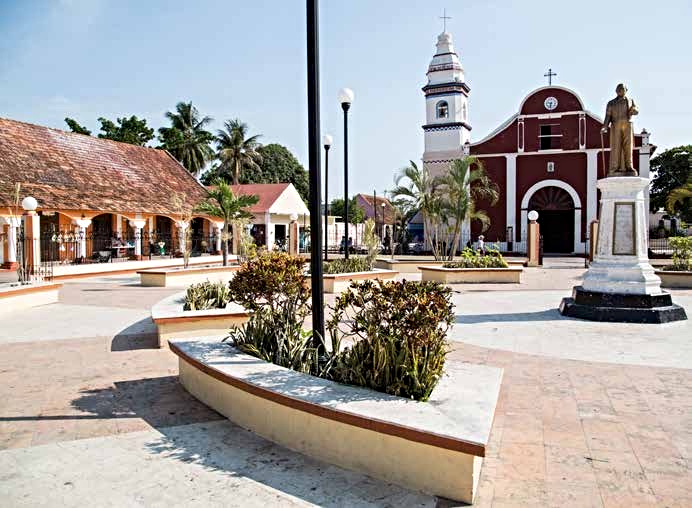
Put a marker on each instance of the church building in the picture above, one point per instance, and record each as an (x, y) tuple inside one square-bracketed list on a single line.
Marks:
[(547, 156)]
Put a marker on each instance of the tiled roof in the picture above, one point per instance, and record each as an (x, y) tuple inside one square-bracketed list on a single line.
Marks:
[(366, 201), (64, 170), (268, 193)]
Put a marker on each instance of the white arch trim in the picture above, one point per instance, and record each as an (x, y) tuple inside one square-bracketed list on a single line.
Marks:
[(578, 244), (551, 183), (563, 88)]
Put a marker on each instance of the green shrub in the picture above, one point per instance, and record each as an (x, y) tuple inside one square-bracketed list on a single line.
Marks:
[(473, 259), (352, 264), (273, 287), (399, 329), (207, 295), (682, 253)]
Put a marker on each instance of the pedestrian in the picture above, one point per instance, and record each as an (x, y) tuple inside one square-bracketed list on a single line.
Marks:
[(481, 245)]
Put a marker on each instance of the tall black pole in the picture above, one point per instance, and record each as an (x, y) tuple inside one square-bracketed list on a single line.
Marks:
[(326, 202), (313, 42), (345, 106)]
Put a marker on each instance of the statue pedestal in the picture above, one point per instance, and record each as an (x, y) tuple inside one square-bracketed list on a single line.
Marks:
[(621, 284)]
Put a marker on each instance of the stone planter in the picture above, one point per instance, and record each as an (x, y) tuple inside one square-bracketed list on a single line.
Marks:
[(412, 265), (436, 446), (675, 279), (172, 322), (14, 298), (338, 282), (183, 277), (510, 275)]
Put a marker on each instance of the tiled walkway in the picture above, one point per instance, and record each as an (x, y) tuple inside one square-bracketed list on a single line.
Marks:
[(567, 432)]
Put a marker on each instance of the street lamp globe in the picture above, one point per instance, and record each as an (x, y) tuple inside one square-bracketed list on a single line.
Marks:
[(29, 204), (345, 96), (533, 215), (327, 140), (294, 217)]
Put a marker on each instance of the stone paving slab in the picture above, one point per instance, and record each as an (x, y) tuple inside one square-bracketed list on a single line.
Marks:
[(204, 464), (531, 324)]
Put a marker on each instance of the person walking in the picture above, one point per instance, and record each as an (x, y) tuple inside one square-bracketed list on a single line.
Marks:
[(481, 244)]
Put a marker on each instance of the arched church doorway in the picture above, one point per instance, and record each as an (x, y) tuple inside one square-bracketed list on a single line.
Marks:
[(556, 210)]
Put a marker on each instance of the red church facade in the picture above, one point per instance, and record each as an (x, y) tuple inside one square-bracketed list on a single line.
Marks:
[(547, 157)]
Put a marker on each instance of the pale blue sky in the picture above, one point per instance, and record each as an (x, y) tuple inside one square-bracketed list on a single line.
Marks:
[(91, 58)]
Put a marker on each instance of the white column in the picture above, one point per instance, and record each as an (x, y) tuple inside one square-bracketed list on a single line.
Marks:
[(82, 224), (219, 232), (511, 190), (644, 168), (270, 231), (182, 228), (138, 225), (524, 221), (591, 191), (119, 226), (578, 244), (12, 240)]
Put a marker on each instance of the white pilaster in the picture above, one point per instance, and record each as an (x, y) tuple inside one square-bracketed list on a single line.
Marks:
[(219, 234), (269, 228), (12, 240), (644, 157), (119, 226), (591, 191), (138, 225), (578, 244), (182, 237), (511, 193), (82, 225)]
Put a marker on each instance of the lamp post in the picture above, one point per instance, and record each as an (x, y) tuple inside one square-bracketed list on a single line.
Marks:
[(313, 75), (384, 225), (346, 98), (327, 142)]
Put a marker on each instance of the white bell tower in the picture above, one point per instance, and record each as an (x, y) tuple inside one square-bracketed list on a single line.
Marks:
[(447, 128)]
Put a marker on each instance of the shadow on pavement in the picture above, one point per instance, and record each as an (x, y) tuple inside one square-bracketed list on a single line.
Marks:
[(543, 315)]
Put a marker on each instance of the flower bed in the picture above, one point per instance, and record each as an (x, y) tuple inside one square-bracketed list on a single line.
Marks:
[(180, 277), (411, 265)]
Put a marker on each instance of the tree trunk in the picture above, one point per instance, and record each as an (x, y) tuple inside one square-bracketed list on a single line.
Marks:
[(224, 244), (236, 173)]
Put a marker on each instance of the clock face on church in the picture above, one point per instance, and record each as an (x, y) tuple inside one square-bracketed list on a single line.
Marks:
[(550, 103)]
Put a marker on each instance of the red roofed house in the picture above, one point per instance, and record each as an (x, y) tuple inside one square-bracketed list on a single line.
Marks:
[(278, 202), (96, 195), (545, 157)]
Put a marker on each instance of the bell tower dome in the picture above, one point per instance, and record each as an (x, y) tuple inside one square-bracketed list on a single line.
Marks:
[(447, 127)]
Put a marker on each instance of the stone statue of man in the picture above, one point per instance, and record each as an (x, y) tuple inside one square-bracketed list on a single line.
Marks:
[(619, 112)]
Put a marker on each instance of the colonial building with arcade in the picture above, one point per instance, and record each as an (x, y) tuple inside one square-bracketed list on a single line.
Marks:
[(547, 156)]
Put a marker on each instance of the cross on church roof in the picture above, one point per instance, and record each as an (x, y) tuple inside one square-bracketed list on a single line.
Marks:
[(550, 75), (444, 19)]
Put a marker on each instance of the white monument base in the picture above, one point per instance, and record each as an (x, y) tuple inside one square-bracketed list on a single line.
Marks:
[(621, 264)]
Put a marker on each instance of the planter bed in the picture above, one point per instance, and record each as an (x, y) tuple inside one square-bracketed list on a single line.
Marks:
[(181, 277), (675, 279), (511, 275), (18, 297), (436, 446), (412, 265), (174, 322), (338, 282)]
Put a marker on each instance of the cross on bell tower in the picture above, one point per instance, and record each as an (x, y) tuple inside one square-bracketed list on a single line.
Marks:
[(444, 19), (550, 75)]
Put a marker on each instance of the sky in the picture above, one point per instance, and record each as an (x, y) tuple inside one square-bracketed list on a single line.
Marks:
[(90, 58)]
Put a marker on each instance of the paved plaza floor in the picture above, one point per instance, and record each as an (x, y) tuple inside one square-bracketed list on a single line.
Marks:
[(589, 414)]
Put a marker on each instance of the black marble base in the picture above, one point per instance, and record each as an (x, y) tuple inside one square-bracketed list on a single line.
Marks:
[(621, 307)]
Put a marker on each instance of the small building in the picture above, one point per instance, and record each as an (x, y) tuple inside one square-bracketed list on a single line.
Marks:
[(377, 208), (97, 198), (278, 205)]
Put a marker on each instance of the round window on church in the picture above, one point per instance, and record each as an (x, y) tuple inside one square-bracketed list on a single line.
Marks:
[(442, 109)]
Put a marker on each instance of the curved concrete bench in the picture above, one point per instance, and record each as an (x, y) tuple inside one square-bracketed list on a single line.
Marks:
[(436, 446), (28, 295), (181, 277), (675, 279), (338, 282), (413, 265), (510, 275), (173, 322)]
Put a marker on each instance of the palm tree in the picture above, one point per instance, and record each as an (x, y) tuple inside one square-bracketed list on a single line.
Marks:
[(222, 202), (421, 192), (462, 186), (235, 150), (187, 139)]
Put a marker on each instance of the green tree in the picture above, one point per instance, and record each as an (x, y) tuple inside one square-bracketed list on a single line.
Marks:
[(671, 171), (680, 196), (461, 187), (223, 203), (356, 214), (235, 150), (75, 127), (130, 130), (187, 138)]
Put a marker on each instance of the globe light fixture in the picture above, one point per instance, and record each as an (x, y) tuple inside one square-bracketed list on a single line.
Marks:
[(294, 217), (327, 141), (533, 215), (345, 96), (29, 204)]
